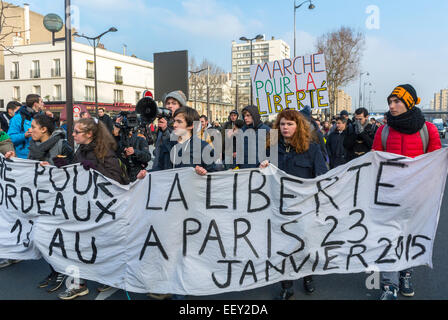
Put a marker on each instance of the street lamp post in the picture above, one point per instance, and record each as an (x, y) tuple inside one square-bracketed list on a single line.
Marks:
[(96, 41), (364, 100), (311, 6), (360, 95), (195, 83), (370, 100), (53, 23), (258, 37), (208, 92)]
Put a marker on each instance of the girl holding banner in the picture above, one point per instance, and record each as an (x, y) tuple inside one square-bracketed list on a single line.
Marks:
[(96, 151), (298, 156)]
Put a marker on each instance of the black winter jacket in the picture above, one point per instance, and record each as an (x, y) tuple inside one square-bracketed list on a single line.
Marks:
[(191, 147), (358, 144), (335, 148), (110, 167), (139, 160), (307, 165)]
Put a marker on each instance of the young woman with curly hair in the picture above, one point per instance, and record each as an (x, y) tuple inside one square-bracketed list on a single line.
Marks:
[(300, 156)]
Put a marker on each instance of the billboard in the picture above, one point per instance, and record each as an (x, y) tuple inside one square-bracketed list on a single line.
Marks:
[(170, 73)]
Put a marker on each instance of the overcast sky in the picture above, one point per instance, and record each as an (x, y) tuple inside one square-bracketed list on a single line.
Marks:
[(406, 41)]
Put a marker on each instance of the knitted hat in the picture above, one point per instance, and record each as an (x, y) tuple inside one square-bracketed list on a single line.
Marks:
[(306, 111), (343, 113), (177, 95), (407, 94)]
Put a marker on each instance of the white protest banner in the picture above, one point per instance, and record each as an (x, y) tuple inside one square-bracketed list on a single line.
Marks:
[(178, 232), (290, 83)]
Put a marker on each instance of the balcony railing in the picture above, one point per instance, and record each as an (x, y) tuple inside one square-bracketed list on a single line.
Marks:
[(35, 73), (14, 75), (55, 72), (90, 74), (118, 79)]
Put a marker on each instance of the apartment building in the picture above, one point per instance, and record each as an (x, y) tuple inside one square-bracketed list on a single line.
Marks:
[(21, 26), (262, 51), (40, 68)]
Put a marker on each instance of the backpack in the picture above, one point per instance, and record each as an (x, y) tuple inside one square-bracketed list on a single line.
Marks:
[(423, 135)]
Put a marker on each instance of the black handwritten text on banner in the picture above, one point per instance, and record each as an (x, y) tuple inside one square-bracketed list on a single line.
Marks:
[(178, 232)]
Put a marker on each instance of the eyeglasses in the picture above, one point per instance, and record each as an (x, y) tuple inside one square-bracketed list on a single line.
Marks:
[(77, 132)]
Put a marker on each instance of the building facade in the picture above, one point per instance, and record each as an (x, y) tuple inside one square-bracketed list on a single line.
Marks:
[(262, 51), (437, 105), (219, 111), (440, 102), (21, 26), (343, 101), (220, 87), (40, 68)]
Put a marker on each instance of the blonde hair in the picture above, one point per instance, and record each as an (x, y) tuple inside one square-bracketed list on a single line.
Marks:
[(101, 136)]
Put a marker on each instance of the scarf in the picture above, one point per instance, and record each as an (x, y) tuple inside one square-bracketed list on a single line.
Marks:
[(38, 150), (409, 122), (3, 136)]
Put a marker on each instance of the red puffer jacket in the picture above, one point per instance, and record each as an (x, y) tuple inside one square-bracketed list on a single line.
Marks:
[(409, 145)]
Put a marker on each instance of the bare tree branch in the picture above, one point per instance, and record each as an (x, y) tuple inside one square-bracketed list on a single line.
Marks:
[(6, 30), (217, 77), (343, 51)]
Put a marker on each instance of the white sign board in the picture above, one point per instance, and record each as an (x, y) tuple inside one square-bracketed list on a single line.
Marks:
[(290, 83)]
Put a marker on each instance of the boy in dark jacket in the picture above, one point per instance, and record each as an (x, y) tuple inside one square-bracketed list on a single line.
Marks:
[(253, 122), (187, 151), (335, 144)]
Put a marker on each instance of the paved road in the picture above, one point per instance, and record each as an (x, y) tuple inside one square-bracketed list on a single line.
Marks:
[(20, 280)]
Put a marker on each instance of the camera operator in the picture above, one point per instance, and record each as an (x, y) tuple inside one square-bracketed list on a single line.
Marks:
[(132, 150), (173, 101)]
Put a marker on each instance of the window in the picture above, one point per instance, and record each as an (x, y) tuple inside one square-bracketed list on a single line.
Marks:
[(90, 93), (118, 76), (118, 96), (137, 96), (36, 90), (58, 92), (90, 72), (56, 70), (16, 94), (15, 70), (35, 69)]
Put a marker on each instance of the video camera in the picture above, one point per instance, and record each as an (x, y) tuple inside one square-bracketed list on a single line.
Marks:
[(127, 120)]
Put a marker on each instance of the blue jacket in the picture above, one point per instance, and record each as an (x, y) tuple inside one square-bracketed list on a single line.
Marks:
[(307, 165), (256, 126), (17, 133)]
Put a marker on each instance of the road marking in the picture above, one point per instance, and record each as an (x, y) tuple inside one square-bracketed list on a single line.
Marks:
[(107, 294)]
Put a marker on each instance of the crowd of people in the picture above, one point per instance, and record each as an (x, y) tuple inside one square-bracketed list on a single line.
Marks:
[(307, 148)]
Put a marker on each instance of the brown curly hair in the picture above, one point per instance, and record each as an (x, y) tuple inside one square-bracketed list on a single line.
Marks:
[(101, 137), (302, 137)]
